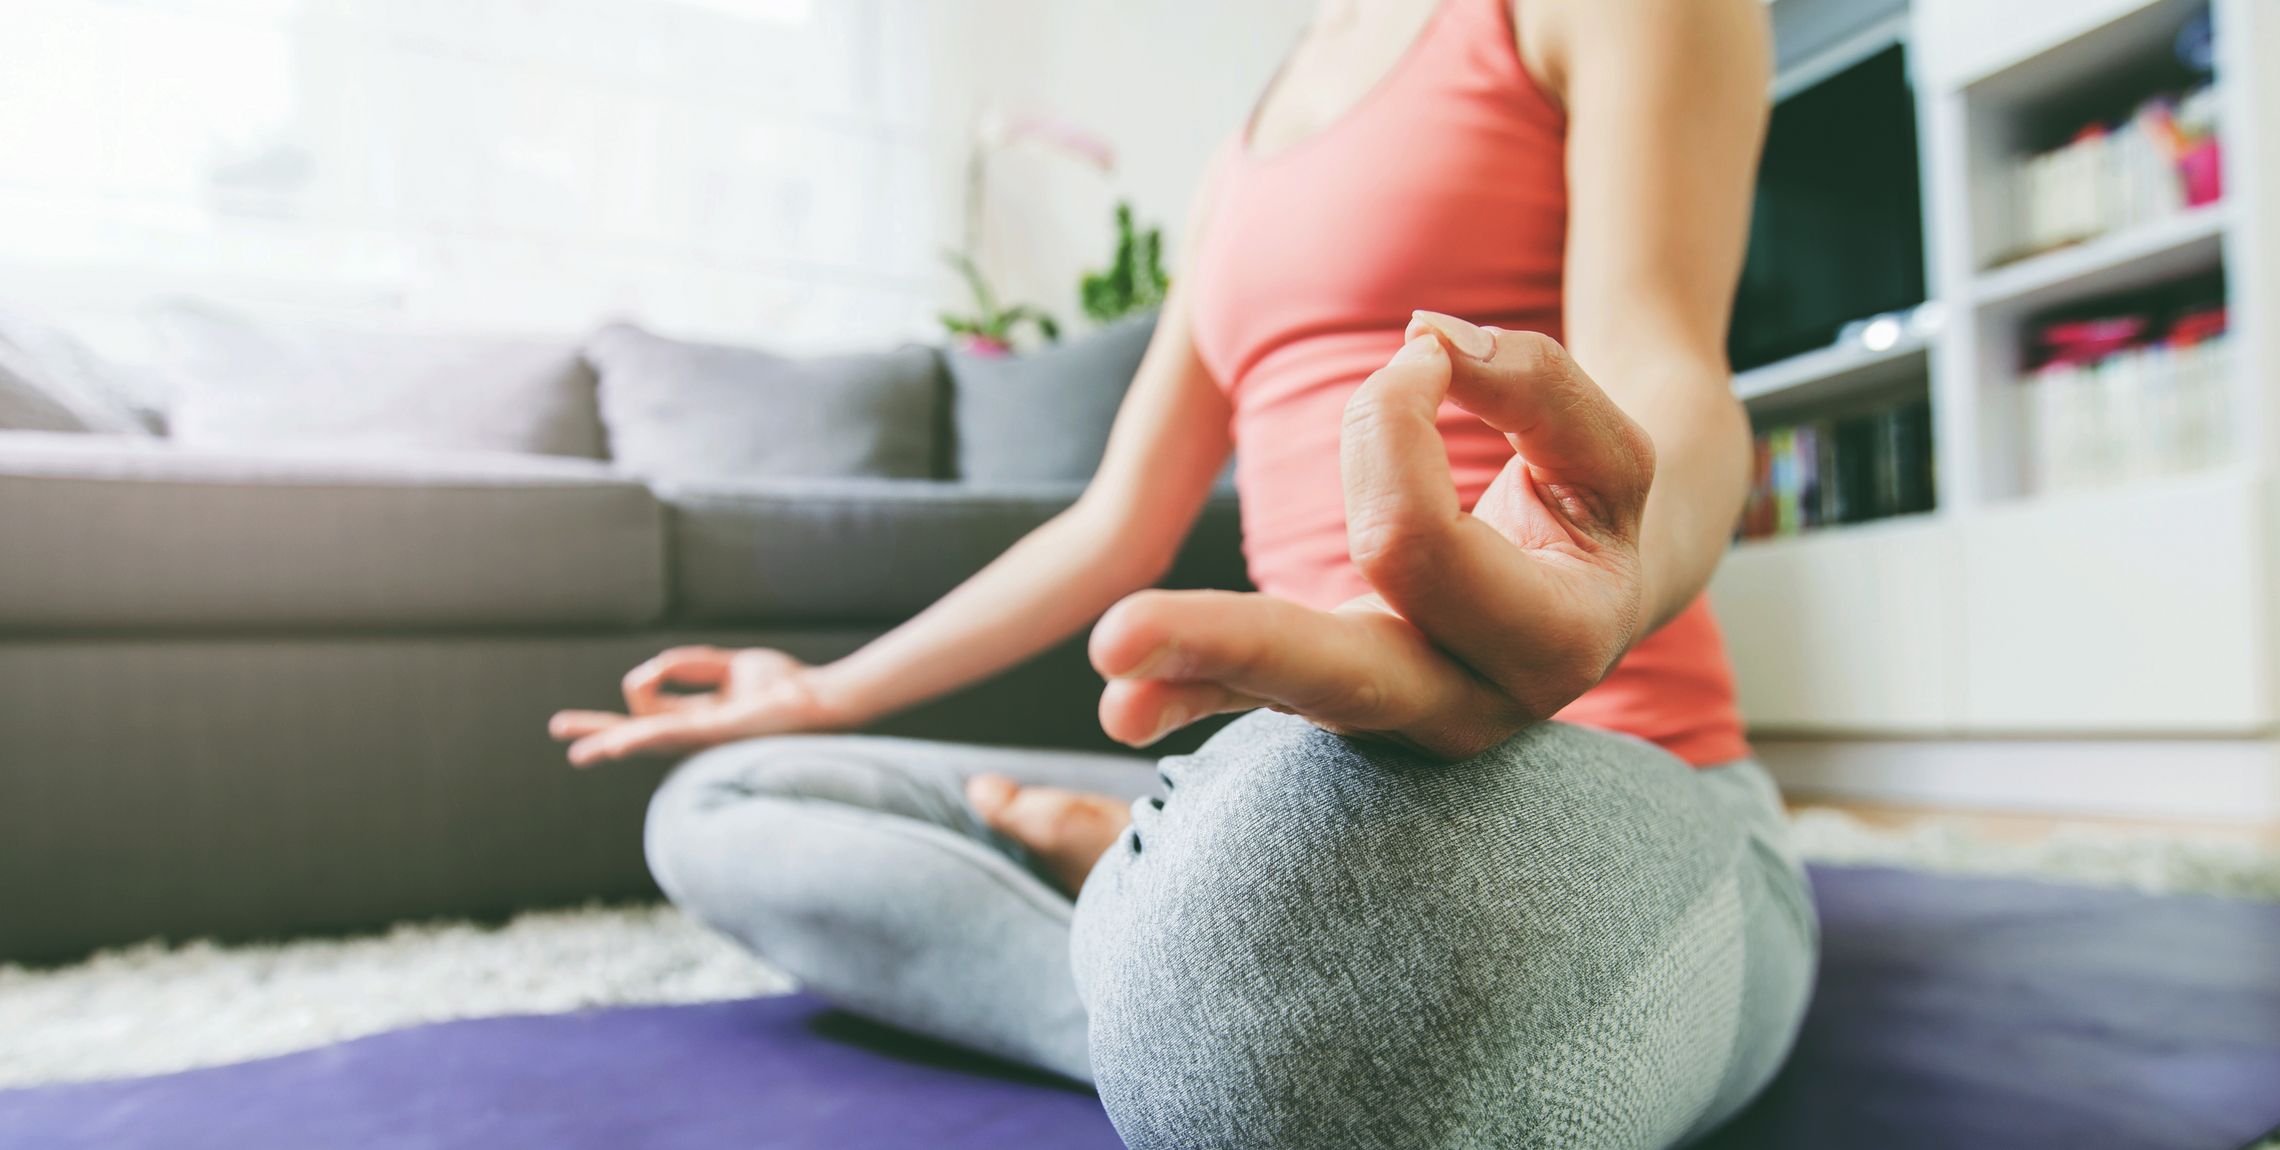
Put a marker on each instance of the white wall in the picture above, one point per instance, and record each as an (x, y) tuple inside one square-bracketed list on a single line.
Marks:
[(1163, 81), (736, 168), (785, 171)]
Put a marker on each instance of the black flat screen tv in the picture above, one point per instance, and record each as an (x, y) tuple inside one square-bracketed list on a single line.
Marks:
[(1837, 230)]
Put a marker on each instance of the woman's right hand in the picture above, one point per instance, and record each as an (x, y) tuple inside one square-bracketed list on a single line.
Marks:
[(742, 694)]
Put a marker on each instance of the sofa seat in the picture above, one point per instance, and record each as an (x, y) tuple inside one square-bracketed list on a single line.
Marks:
[(111, 534), (872, 551)]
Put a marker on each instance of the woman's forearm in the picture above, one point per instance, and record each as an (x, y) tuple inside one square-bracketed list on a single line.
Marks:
[(1702, 460), (1045, 588)]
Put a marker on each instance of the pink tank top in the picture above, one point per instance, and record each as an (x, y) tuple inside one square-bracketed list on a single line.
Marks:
[(1446, 189)]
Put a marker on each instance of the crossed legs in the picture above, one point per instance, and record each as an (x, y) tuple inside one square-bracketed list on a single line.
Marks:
[(1302, 940)]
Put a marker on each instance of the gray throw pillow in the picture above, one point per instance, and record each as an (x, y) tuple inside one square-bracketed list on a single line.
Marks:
[(694, 410), (242, 382), (51, 382), (1046, 415)]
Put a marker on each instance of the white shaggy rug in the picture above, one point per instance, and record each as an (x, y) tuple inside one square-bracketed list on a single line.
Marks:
[(150, 1009), (2087, 854)]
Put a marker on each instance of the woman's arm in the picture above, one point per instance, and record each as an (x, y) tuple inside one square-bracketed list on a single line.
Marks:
[(1168, 445), (1666, 103), (1628, 475)]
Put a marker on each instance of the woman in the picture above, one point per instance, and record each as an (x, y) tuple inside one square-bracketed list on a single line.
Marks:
[(1390, 907)]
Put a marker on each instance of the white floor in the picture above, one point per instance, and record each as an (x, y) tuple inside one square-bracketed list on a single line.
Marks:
[(151, 1009)]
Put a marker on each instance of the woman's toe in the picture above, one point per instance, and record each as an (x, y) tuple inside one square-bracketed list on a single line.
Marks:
[(990, 796)]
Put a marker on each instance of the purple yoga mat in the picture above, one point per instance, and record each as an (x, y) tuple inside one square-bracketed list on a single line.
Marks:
[(755, 1075), (1953, 1013), (1970, 1012)]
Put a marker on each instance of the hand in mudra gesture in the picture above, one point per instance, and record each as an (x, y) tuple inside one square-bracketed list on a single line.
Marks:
[(1481, 623), (739, 694)]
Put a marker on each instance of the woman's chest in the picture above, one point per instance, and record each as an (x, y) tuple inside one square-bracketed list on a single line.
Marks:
[(1458, 206)]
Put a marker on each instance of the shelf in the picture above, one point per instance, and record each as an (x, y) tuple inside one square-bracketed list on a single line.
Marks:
[(2028, 50), (1842, 369), (2181, 245), (2215, 478), (1833, 532)]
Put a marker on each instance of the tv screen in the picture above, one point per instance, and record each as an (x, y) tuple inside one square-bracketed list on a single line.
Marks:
[(1837, 232)]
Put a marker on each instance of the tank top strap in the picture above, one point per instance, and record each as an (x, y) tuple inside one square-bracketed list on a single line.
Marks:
[(1479, 45)]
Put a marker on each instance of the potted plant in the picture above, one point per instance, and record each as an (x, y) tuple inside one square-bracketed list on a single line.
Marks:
[(1135, 279), (989, 329)]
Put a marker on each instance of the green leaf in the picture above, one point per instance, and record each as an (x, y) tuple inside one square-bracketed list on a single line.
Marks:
[(985, 300), (1134, 279)]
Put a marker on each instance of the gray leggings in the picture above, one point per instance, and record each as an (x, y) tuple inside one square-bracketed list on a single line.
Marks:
[(1571, 940)]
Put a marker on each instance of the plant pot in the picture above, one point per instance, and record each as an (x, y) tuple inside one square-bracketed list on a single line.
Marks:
[(984, 346)]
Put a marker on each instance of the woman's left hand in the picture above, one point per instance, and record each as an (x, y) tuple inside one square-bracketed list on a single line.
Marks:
[(1481, 624)]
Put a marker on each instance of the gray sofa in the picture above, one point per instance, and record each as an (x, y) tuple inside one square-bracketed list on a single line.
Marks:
[(253, 685)]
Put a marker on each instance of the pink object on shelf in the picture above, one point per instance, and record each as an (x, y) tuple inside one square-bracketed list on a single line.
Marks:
[(2088, 341), (2202, 170), (2195, 326)]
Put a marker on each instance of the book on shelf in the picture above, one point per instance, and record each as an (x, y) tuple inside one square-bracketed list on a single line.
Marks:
[(2133, 395), (2164, 159), (1851, 469)]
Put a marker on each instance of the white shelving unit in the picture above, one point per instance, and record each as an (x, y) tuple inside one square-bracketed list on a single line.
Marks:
[(1841, 370), (2014, 647), (2123, 261)]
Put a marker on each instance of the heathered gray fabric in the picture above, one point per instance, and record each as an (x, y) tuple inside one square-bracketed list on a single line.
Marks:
[(854, 863), (1322, 942), (1573, 940)]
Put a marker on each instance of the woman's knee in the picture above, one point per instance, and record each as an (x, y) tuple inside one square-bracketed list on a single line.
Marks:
[(1316, 941), (690, 798), (748, 795)]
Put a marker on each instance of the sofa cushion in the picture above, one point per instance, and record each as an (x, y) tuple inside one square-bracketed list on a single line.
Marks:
[(108, 535), (854, 551), (1045, 416), (51, 382), (243, 383), (696, 410)]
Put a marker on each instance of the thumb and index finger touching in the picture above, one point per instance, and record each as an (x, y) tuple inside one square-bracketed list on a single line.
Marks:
[(1459, 579)]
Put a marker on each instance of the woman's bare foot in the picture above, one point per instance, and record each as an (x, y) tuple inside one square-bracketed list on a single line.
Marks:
[(1066, 830)]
